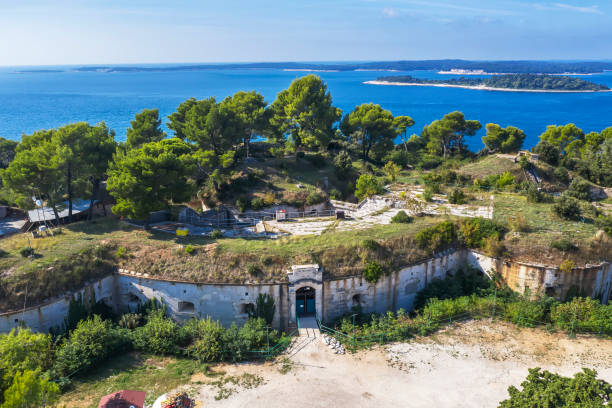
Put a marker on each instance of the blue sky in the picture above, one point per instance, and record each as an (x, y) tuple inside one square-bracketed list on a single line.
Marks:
[(35, 32)]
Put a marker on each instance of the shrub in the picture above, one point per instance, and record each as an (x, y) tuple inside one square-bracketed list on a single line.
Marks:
[(582, 314), (335, 194), (546, 389), (372, 272), (264, 308), (561, 174), (605, 223), (3, 253), (492, 246), (207, 339), (92, 341), (392, 170), (130, 320), (462, 283), (26, 251), (505, 179), (567, 207), (253, 269), (31, 389), (257, 203), (300, 155), (474, 231), (121, 252), (370, 244), (457, 197), (160, 335), (580, 189), (534, 195), (399, 157), (438, 237), (216, 234), (343, 165), (564, 245), (401, 218), (314, 197), (367, 186), (316, 159), (428, 194), (189, 249), (182, 232), (519, 223), (269, 198), (242, 204)]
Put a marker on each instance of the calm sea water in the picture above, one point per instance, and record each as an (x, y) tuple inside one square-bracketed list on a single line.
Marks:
[(31, 101)]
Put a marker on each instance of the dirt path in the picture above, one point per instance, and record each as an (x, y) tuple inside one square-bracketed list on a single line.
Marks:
[(468, 365)]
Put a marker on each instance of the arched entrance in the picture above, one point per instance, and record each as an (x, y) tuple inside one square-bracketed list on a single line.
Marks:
[(305, 304)]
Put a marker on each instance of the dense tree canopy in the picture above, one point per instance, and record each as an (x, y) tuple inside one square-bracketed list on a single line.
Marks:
[(145, 128), (371, 127), (305, 112), (250, 113), (543, 389), (447, 134), (149, 178), (7, 152), (504, 140), (401, 125)]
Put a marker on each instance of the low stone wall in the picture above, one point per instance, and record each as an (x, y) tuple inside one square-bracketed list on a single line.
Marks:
[(44, 317)]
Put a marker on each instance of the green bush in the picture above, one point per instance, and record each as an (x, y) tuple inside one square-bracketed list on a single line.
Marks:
[(504, 180), (464, 282), (563, 245), (257, 203), (343, 165), (582, 314), (580, 189), (428, 194), (605, 223), (315, 197), (546, 389), (370, 244), (317, 160), (216, 234), (474, 231), (121, 252), (401, 218), (373, 271), (189, 249), (3, 253), (160, 335), (31, 388), (561, 174), (264, 308), (242, 204), (438, 237), (367, 186), (457, 197), (26, 252), (253, 269), (206, 337), (92, 341), (335, 194), (567, 207)]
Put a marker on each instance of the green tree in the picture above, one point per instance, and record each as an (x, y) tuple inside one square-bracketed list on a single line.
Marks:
[(149, 178), (543, 389), (178, 120), (305, 112), (31, 389), (213, 126), (562, 136), (367, 186), (7, 152), (401, 125), (145, 128), (250, 113), (371, 127), (36, 170), (504, 140), (343, 164), (447, 134)]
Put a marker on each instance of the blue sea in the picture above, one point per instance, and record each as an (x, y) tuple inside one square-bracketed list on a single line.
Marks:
[(36, 100)]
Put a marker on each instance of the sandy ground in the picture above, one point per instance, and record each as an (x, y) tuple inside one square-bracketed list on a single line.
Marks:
[(468, 365)]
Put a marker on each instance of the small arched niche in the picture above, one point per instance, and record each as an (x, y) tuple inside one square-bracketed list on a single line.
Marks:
[(186, 307)]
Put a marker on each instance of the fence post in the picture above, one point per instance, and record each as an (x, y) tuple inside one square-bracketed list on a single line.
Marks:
[(494, 303)]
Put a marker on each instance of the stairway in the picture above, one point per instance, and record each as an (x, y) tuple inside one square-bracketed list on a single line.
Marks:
[(308, 326)]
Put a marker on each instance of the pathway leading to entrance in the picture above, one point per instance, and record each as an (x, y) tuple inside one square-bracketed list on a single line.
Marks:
[(308, 327)]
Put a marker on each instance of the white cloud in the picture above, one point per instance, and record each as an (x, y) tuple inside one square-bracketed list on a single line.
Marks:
[(390, 12), (580, 9)]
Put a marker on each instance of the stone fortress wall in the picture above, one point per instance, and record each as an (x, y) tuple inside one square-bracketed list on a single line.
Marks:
[(230, 303)]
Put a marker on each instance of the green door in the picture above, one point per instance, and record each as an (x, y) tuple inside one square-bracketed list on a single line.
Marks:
[(300, 307)]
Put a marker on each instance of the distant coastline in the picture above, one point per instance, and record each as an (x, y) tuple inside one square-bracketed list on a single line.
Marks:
[(482, 72), (481, 87)]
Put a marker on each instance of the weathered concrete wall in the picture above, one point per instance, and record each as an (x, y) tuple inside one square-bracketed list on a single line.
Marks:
[(591, 280), (51, 315), (224, 302), (392, 292)]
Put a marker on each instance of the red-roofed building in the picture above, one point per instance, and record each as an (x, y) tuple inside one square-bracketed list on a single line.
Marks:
[(123, 399)]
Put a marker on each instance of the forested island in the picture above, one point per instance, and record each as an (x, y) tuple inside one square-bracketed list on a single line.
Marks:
[(526, 82)]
